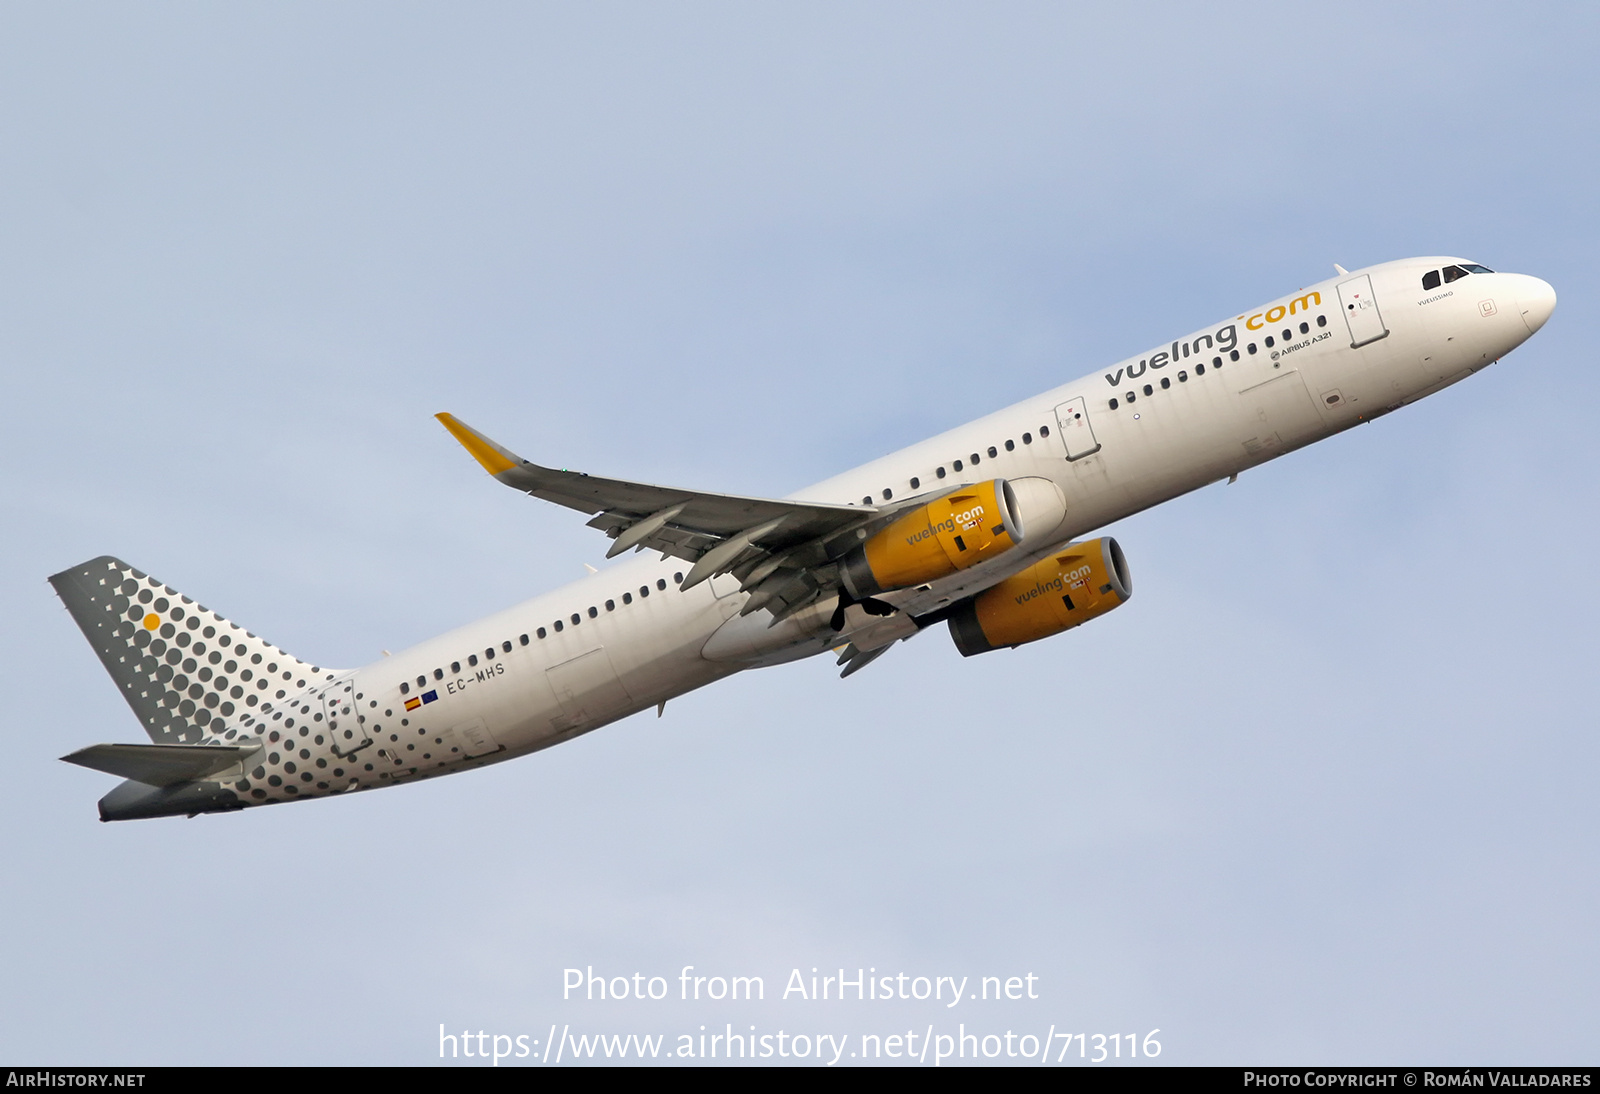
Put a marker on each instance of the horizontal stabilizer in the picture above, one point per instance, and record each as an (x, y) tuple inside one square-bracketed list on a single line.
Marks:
[(159, 765)]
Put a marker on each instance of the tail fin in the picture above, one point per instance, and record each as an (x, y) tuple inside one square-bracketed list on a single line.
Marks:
[(189, 674)]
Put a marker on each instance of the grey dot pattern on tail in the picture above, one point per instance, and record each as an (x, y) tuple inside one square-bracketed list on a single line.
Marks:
[(189, 675)]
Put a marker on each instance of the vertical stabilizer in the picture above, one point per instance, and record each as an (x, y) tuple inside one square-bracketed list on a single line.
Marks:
[(189, 674)]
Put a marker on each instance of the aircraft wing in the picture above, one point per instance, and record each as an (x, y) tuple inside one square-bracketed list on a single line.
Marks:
[(781, 551)]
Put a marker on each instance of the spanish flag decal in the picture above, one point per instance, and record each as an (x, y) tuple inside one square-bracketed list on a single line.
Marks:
[(425, 697)]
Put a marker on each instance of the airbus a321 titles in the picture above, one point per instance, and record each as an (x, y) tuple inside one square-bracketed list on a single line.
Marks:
[(979, 529)]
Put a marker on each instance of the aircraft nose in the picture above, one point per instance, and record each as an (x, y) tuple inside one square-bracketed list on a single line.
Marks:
[(1537, 300)]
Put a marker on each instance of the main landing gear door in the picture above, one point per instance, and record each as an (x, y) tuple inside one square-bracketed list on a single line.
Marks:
[(1361, 311), (1073, 419)]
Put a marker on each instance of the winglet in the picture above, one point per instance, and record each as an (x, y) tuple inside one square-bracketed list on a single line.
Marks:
[(495, 460)]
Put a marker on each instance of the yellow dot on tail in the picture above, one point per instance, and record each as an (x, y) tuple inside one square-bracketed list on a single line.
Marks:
[(152, 621)]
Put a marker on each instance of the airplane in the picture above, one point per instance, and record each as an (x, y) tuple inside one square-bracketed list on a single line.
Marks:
[(979, 528)]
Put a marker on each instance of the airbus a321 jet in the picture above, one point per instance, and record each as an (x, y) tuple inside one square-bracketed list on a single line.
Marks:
[(978, 528)]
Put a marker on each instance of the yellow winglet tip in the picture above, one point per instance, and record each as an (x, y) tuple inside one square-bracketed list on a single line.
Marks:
[(493, 459)]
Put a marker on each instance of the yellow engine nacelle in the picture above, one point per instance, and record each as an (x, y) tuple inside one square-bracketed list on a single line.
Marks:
[(960, 529), (1068, 587)]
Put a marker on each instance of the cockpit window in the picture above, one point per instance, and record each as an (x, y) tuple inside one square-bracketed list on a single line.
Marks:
[(1430, 280), (1473, 267), (1453, 273)]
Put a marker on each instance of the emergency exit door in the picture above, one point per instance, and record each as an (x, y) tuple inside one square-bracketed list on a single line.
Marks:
[(1072, 422)]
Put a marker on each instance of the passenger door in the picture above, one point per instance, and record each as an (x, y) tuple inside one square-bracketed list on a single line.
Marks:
[(347, 727), (1361, 311)]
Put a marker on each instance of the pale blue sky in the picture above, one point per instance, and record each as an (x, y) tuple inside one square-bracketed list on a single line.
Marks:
[(1322, 792)]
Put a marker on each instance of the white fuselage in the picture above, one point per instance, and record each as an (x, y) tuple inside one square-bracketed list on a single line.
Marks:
[(1121, 440)]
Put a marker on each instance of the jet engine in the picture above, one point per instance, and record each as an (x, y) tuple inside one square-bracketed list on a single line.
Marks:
[(1066, 588), (967, 526)]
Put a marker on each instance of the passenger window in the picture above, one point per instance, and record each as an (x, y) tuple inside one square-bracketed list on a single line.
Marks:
[(1128, 395), (438, 674), (1113, 402), (1183, 377), (1305, 328), (405, 688), (594, 612), (455, 666), (558, 624), (539, 632), (1269, 341), (956, 464), (1251, 348), (524, 639), (422, 681), (1322, 320), (915, 482), (1288, 335), (677, 579), (576, 619), (488, 654), (993, 452), (472, 659), (1430, 280), (1027, 438), (1148, 390), (887, 493), (1044, 431), (867, 500), (1165, 383), (1453, 273), (627, 598), (505, 647), (661, 583), (644, 590), (939, 471), (1011, 446), (611, 605), (974, 459)]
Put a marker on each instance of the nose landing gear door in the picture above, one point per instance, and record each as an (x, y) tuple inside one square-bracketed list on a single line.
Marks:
[(1361, 311), (1072, 420)]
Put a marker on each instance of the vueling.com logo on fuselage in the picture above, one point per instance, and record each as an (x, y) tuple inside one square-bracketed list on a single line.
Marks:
[(1055, 585), (970, 519), (1224, 339), (1278, 311)]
